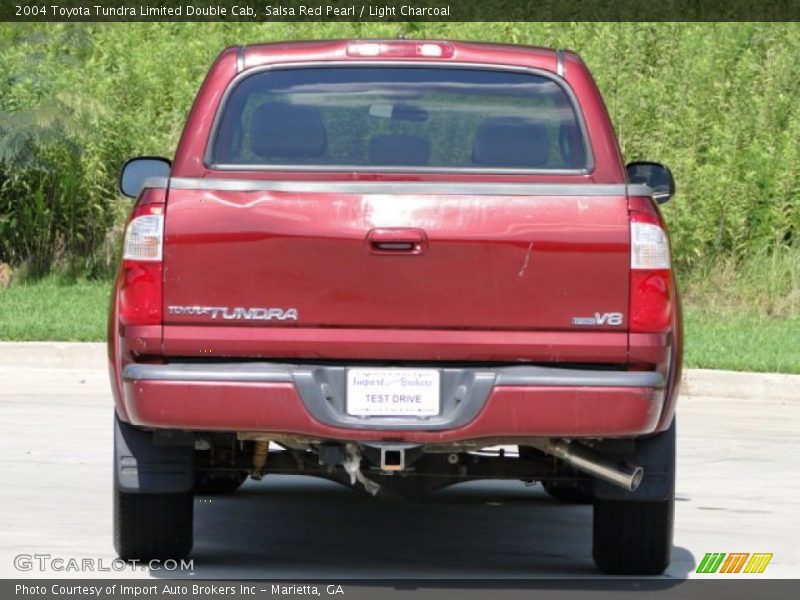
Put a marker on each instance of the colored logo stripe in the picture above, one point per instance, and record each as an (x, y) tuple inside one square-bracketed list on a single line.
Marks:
[(714, 562), (711, 562), (758, 563), (734, 562)]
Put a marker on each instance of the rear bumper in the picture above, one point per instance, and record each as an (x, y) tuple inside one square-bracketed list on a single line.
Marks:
[(477, 403)]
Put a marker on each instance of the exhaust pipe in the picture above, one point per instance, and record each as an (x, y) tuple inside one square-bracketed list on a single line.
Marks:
[(584, 459)]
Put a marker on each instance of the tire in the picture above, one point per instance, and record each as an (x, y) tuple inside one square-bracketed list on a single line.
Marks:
[(212, 484), (633, 538), (569, 492), (153, 526), (633, 530)]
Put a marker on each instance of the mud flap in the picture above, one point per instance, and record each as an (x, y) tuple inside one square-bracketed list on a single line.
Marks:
[(655, 454), (145, 465)]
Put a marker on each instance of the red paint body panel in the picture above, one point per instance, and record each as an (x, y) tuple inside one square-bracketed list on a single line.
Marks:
[(510, 412), (495, 279)]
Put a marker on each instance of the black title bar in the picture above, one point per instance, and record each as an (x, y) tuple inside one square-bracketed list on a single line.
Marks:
[(399, 10)]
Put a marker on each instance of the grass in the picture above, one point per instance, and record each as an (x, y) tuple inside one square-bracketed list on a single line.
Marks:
[(745, 315), (766, 283), (741, 342), (721, 338), (54, 308)]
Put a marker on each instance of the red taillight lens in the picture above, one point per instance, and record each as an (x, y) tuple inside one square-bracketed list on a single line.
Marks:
[(651, 301), (140, 300), (651, 295), (140, 296)]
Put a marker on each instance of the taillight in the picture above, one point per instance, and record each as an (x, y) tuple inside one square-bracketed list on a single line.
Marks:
[(141, 292), (400, 49), (652, 293)]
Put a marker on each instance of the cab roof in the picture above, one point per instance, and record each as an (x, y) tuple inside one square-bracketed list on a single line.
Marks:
[(443, 51)]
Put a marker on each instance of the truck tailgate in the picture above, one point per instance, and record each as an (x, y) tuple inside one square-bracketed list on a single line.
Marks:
[(525, 263)]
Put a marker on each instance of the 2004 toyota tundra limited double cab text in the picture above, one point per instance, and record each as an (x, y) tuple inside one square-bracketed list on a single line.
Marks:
[(371, 262)]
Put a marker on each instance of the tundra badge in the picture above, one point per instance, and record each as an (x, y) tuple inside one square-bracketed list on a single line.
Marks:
[(225, 312)]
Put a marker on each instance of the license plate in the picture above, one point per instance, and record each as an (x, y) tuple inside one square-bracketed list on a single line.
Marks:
[(393, 392)]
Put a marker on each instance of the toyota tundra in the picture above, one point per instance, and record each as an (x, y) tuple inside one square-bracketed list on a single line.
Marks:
[(397, 265)]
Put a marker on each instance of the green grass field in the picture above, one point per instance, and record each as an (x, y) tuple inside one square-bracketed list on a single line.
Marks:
[(55, 309), (741, 342)]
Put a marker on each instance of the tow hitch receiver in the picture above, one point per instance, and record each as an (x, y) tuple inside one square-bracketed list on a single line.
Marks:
[(392, 457)]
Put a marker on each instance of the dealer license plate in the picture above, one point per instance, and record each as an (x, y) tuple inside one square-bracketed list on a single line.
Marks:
[(393, 392)]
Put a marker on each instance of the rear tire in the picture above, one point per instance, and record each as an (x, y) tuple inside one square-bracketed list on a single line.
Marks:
[(633, 538), (633, 530), (212, 484), (153, 526)]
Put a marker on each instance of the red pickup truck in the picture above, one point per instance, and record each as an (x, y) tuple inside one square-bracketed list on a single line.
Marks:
[(376, 261)]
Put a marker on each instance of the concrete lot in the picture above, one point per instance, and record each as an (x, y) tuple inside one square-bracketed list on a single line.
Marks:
[(738, 491)]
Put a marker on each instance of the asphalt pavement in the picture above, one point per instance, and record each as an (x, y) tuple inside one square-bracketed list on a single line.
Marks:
[(737, 491)]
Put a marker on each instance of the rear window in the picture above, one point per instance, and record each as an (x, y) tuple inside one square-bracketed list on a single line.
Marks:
[(399, 117)]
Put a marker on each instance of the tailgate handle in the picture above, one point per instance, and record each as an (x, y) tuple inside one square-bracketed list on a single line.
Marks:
[(397, 240)]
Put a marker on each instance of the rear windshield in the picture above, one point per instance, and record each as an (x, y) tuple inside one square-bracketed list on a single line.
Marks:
[(399, 117)]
